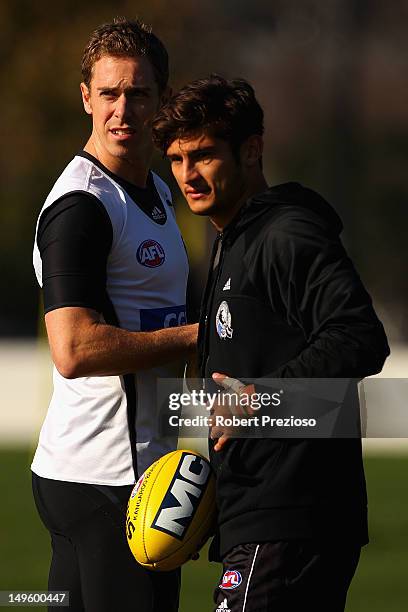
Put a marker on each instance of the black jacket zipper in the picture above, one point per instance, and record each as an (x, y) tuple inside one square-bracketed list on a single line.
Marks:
[(216, 262)]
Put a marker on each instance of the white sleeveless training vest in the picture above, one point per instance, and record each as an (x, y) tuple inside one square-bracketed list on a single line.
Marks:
[(85, 436)]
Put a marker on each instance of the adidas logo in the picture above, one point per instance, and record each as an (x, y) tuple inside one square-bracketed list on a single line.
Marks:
[(158, 214), (223, 607), (227, 285)]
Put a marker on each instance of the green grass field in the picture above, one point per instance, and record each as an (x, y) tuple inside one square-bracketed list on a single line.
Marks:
[(381, 583)]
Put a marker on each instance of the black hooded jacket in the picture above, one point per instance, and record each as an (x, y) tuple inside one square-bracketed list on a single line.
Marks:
[(298, 310)]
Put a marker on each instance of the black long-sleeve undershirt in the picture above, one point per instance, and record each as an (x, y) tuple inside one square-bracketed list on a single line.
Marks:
[(74, 239)]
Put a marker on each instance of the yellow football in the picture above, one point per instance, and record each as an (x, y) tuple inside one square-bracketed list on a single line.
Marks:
[(171, 511)]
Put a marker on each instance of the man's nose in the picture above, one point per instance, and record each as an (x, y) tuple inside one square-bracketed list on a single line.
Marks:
[(189, 172), (122, 107)]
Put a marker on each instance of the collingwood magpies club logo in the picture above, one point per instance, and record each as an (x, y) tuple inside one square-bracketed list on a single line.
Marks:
[(223, 321)]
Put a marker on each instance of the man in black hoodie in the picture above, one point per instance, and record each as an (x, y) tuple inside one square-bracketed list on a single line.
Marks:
[(284, 301)]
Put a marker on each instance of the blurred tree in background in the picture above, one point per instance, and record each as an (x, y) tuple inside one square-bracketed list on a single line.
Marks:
[(331, 77)]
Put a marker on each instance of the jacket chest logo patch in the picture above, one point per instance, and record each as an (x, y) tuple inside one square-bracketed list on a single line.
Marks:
[(150, 254), (223, 321)]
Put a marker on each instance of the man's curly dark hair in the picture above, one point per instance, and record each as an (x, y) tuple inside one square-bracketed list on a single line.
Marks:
[(227, 109)]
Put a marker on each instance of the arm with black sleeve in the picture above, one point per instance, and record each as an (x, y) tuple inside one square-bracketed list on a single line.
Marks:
[(307, 274), (74, 239), (306, 269)]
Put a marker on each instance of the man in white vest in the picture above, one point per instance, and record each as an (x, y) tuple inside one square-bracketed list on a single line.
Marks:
[(113, 268)]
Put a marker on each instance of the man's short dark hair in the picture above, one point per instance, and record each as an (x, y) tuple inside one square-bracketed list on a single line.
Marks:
[(126, 38), (226, 109)]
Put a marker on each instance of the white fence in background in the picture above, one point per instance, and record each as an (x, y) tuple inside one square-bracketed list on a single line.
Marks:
[(25, 375)]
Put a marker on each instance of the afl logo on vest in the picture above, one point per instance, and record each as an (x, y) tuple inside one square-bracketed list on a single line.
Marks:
[(183, 496), (150, 254)]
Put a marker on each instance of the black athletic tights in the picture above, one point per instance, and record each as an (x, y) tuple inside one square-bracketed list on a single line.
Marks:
[(90, 555)]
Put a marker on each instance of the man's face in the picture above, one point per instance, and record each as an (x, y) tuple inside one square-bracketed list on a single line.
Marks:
[(122, 99), (209, 176)]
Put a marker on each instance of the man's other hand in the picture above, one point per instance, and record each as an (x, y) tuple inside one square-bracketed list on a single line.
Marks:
[(231, 385)]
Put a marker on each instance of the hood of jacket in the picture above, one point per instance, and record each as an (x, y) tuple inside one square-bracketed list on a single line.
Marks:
[(278, 199)]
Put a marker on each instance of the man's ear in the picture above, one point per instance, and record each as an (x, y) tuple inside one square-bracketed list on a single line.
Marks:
[(251, 150), (86, 98)]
